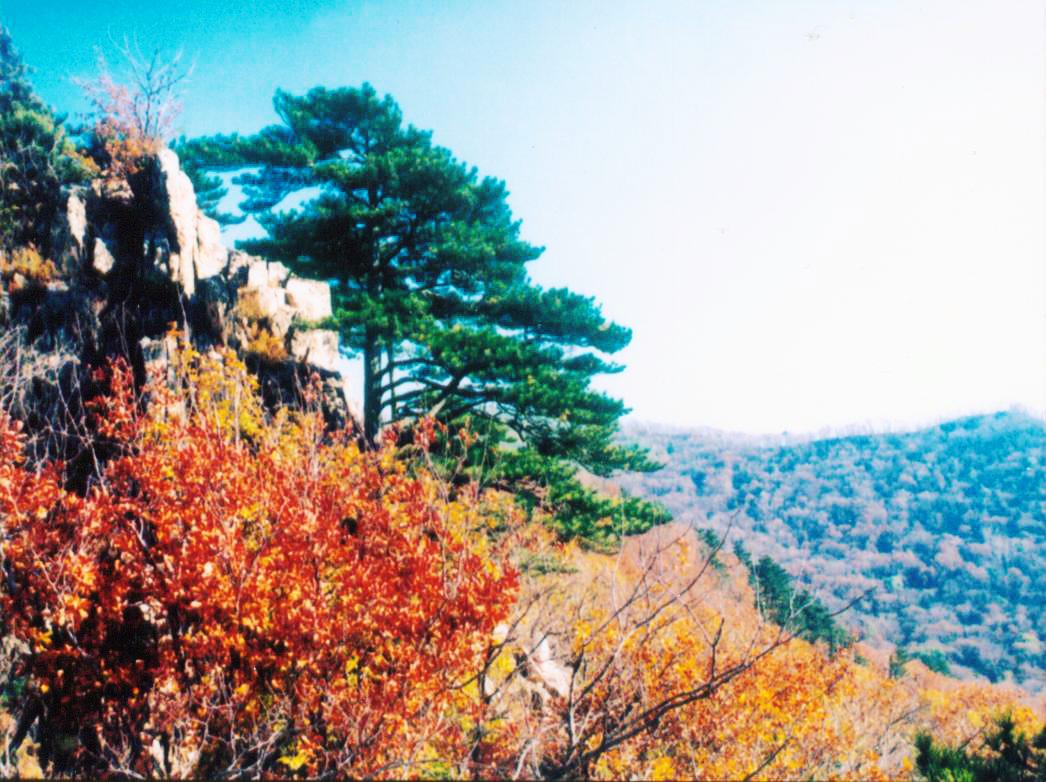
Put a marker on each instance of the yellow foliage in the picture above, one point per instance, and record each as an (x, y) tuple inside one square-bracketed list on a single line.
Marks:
[(216, 385), (27, 263), (296, 761), (267, 346)]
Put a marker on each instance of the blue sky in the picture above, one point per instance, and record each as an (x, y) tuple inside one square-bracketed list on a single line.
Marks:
[(812, 214)]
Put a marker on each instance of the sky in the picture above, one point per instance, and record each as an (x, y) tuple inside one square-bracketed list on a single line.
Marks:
[(812, 214)]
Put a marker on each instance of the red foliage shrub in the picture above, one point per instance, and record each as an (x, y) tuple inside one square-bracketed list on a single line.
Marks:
[(243, 594)]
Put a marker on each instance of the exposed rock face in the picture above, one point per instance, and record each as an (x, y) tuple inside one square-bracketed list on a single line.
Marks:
[(264, 296), (261, 273), (70, 231), (196, 249), (102, 260), (311, 299), (554, 675), (318, 347), (135, 256), (178, 200), (542, 674), (212, 257)]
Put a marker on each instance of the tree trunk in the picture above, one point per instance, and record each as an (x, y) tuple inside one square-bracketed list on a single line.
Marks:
[(371, 387), (372, 349), (391, 371)]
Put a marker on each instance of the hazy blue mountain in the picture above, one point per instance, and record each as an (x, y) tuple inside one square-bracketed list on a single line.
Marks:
[(946, 526)]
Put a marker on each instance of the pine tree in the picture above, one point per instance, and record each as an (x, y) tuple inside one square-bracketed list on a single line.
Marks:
[(1006, 753), (431, 287), (36, 155), (800, 611)]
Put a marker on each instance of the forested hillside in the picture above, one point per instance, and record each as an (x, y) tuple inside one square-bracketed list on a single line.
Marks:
[(944, 528)]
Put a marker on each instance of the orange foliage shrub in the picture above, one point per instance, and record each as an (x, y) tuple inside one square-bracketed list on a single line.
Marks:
[(651, 664), (243, 594), (666, 671)]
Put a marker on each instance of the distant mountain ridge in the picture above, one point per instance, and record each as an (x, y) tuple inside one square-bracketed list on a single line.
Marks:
[(945, 525), (634, 426)]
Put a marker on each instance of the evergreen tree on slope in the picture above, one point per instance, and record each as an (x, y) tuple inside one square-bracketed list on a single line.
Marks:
[(431, 287)]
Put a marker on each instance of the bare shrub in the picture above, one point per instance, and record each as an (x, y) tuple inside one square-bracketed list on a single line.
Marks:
[(131, 121)]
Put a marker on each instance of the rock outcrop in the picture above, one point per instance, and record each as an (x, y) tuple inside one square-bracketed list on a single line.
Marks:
[(133, 256)]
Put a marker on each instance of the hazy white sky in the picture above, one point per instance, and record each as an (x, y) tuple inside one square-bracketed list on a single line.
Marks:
[(811, 213)]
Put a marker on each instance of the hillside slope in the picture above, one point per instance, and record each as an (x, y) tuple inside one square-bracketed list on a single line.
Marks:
[(946, 526)]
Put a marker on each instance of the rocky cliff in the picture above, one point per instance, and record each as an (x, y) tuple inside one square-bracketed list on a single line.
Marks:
[(133, 256)]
